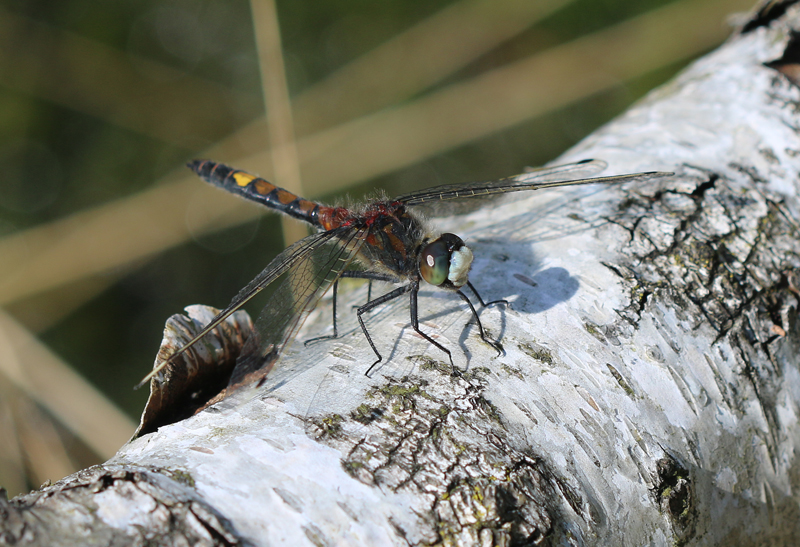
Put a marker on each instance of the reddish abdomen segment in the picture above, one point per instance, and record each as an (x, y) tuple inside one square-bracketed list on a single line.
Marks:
[(264, 192)]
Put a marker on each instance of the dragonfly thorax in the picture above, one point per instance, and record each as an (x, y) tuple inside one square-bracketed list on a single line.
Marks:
[(445, 262)]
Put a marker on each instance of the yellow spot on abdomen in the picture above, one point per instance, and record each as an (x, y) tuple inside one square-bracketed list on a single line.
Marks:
[(242, 179)]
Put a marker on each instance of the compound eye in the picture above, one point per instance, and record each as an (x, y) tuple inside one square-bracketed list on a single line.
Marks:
[(434, 263)]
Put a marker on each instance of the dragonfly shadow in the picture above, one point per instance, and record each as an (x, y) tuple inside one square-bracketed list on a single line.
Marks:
[(517, 275), (550, 287), (505, 250)]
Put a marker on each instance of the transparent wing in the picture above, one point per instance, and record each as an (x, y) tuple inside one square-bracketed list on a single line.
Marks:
[(306, 280), (332, 251), (546, 177), (577, 170)]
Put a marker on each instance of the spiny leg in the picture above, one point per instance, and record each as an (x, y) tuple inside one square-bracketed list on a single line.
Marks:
[(494, 344), (369, 292), (368, 306), (415, 325), (335, 328), (371, 276)]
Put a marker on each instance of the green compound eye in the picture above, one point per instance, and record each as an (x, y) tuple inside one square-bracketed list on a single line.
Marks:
[(445, 262), (434, 263)]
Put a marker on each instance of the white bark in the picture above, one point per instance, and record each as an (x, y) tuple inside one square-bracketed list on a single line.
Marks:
[(648, 395)]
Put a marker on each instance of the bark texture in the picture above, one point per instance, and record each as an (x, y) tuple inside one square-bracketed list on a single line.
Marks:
[(649, 392)]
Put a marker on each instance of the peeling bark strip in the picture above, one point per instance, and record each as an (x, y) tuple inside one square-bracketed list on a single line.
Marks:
[(649, 393), (194, 380), (771, 10)]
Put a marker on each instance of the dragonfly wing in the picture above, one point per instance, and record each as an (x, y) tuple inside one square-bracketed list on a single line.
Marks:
[(309, 271), (547, 177), (577, 170), (293, 256)]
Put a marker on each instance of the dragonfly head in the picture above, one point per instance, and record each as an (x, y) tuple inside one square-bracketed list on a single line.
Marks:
[(445, 262)]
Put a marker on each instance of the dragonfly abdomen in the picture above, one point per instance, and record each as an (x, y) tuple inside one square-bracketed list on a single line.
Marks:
[(262, 191)]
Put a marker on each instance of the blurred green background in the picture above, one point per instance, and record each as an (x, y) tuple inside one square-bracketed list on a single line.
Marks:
[(103, 233)]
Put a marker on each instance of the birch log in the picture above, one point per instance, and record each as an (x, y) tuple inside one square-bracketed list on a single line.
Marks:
[(648, 394)]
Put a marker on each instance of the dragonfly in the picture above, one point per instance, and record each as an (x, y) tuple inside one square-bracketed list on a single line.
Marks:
[(382, 240)]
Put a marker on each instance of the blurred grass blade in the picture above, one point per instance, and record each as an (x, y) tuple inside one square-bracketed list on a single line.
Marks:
[(47, 457), (115, 234), (48, 308), (416, 59), (12, 466), (43, 377), (131, 229), (508, 95), (285, 163), (90, 77)]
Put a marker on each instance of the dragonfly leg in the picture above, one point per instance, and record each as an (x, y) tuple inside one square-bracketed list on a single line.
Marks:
[(357, 275), (369, 291), (372, 276), (335, 329), (415, 325), (369, 284), (368, 306), (494, 344), (485, 304)]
